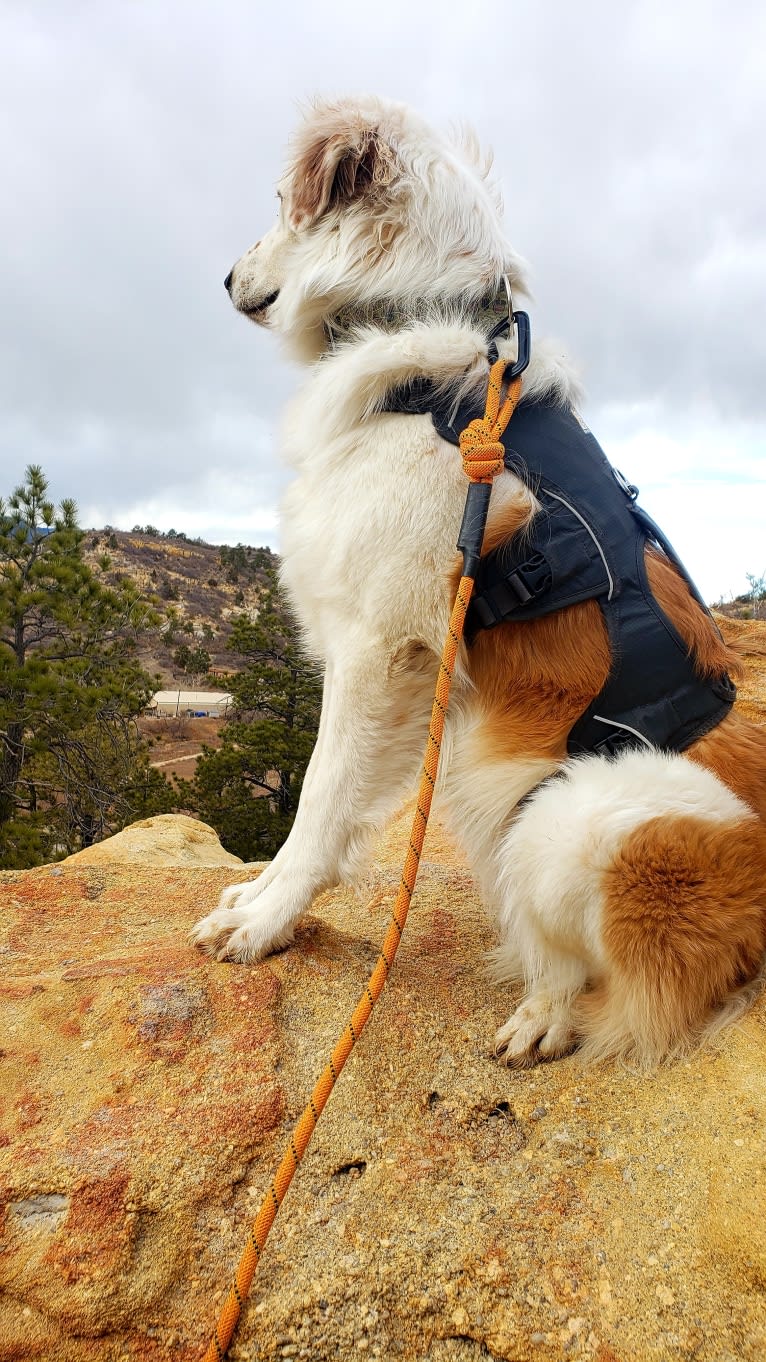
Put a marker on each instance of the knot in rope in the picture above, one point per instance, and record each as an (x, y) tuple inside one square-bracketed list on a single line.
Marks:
[(480, 443), (482, 452)]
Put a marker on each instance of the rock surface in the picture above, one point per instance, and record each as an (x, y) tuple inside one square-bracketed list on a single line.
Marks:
[(166, 839), (446, 1209)]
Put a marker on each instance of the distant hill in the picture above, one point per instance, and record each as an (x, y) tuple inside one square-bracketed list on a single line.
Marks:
[(748, 638), (206, 584)]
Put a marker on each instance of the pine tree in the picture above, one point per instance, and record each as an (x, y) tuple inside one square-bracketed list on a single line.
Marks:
[(193, 662), (70, 687), (249, 789)]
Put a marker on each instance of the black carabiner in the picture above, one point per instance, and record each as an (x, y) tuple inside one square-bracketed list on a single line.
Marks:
[(524, 342), (523, 339)]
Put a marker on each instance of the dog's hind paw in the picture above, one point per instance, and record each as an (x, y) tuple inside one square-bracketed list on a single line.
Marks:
[(538, 1030)]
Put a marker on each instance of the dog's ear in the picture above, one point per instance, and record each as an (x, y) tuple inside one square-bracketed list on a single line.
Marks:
[(335, 166)]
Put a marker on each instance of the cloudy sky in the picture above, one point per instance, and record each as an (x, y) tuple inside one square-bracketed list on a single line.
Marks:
[(140, 143)]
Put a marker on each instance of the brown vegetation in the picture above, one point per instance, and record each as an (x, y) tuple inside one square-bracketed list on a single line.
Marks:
[(178, 742), (189, 582)]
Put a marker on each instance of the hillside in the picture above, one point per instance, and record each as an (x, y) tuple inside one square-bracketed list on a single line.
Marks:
[(748, 638), (205, 584)]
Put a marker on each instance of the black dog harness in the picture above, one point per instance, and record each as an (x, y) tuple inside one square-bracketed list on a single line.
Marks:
[(587, 543)]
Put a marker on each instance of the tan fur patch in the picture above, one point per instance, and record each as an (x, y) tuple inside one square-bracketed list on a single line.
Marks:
[(683, 926), (536, 678), (335, 164), (735, 751)]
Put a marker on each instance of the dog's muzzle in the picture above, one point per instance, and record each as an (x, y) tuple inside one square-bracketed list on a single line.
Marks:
[(261, 308)]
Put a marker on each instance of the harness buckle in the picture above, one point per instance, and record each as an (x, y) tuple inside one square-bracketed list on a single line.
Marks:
[(615, 743), (531, 579), (502, 599), (725, 689)]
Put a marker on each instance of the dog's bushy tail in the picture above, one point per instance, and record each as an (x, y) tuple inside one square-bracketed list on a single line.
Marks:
[(684, 933)]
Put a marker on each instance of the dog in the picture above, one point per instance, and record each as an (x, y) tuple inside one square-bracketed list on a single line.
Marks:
[(629, 888)]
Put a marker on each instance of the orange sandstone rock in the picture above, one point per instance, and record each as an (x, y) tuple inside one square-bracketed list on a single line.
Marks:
[(446, 1209)]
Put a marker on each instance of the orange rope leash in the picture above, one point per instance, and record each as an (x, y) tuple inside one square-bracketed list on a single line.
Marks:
[(479, 439)]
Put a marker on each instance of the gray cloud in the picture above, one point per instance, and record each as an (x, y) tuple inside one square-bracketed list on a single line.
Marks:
[(140, 146)]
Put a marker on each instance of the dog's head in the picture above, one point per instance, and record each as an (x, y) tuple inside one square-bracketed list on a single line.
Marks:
[(375, 208)]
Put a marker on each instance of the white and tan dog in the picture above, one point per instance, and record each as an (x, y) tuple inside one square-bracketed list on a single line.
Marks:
[(630, 892)]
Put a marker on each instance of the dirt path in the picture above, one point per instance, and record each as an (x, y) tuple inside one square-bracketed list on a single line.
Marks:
[(173, 761)]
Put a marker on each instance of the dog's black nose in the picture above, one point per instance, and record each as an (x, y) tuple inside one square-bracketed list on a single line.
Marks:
[(227, 281)]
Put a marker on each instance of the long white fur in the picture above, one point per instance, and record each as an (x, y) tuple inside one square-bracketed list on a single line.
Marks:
[(369, 527)]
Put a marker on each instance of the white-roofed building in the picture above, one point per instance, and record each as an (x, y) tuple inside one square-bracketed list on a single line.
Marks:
[(190, 703)]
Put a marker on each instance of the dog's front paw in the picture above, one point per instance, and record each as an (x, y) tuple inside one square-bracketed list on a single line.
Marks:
[(539, 1029), (240, 934), (239, 895)]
